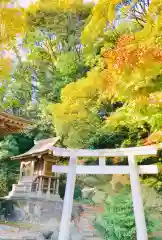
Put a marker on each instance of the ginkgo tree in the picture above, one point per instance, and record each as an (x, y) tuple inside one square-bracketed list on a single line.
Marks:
[(12, 25), (77, 112), (129, 71)]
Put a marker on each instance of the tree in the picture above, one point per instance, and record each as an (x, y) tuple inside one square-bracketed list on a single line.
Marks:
[(125, 68), (53, 58), (78, 122), (141, 82), (13, 24), (129, 71), (94, 64), (46, 58)]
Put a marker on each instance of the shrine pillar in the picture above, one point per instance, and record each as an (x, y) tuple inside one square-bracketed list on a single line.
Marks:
[(49, 187), (21, 171), (40, 186), (32, 168)]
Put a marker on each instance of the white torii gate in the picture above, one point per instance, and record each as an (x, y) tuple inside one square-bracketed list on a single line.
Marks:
[(132, 169)]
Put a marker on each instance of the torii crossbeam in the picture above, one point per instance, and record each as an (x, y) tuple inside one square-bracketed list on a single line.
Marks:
[(132, 169)]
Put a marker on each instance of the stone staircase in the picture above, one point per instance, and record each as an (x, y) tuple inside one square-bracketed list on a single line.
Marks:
[(86, 225), (26, 189), (27, 179), (23, 187)]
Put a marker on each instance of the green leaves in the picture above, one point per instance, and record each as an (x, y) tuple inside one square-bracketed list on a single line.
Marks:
[(8, 148), (117, 222), (156, 121), (68, 64), (9, 170), (105, 139)]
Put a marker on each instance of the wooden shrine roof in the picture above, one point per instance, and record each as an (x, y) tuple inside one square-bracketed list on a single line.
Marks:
[(40, 147), (12, 124)]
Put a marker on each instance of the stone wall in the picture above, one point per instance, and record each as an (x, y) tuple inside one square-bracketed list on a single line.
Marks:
[(38, 211), (44, 217)]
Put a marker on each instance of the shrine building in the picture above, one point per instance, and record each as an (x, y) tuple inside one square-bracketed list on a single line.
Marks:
[(36, 177), (10, 124)]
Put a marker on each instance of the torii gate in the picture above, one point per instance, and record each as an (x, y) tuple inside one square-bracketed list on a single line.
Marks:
[(132, 169)]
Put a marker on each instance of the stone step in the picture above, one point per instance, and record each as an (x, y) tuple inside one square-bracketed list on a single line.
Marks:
[(85, 214), (87, 234), (94, 238), (24, 183), (89, 218), (27, 185), (18, 188), (86, 226), (27, 179)]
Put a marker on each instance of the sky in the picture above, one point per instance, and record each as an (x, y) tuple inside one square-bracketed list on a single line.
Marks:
[(25, 3)]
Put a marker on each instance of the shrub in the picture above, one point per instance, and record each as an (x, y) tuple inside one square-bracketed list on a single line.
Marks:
[(117, 222)]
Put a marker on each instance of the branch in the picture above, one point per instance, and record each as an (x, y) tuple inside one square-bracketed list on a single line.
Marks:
[(143, 7), (136, 11), (139, 20), (14, 48), (148, 3), (50, 51)]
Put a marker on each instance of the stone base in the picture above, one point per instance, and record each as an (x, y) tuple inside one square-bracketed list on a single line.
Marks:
[(32, 195)]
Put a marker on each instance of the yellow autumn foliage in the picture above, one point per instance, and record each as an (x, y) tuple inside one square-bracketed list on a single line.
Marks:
[(156, 137), (12, 25), (57, 5), (130, 72), (5, 68)]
